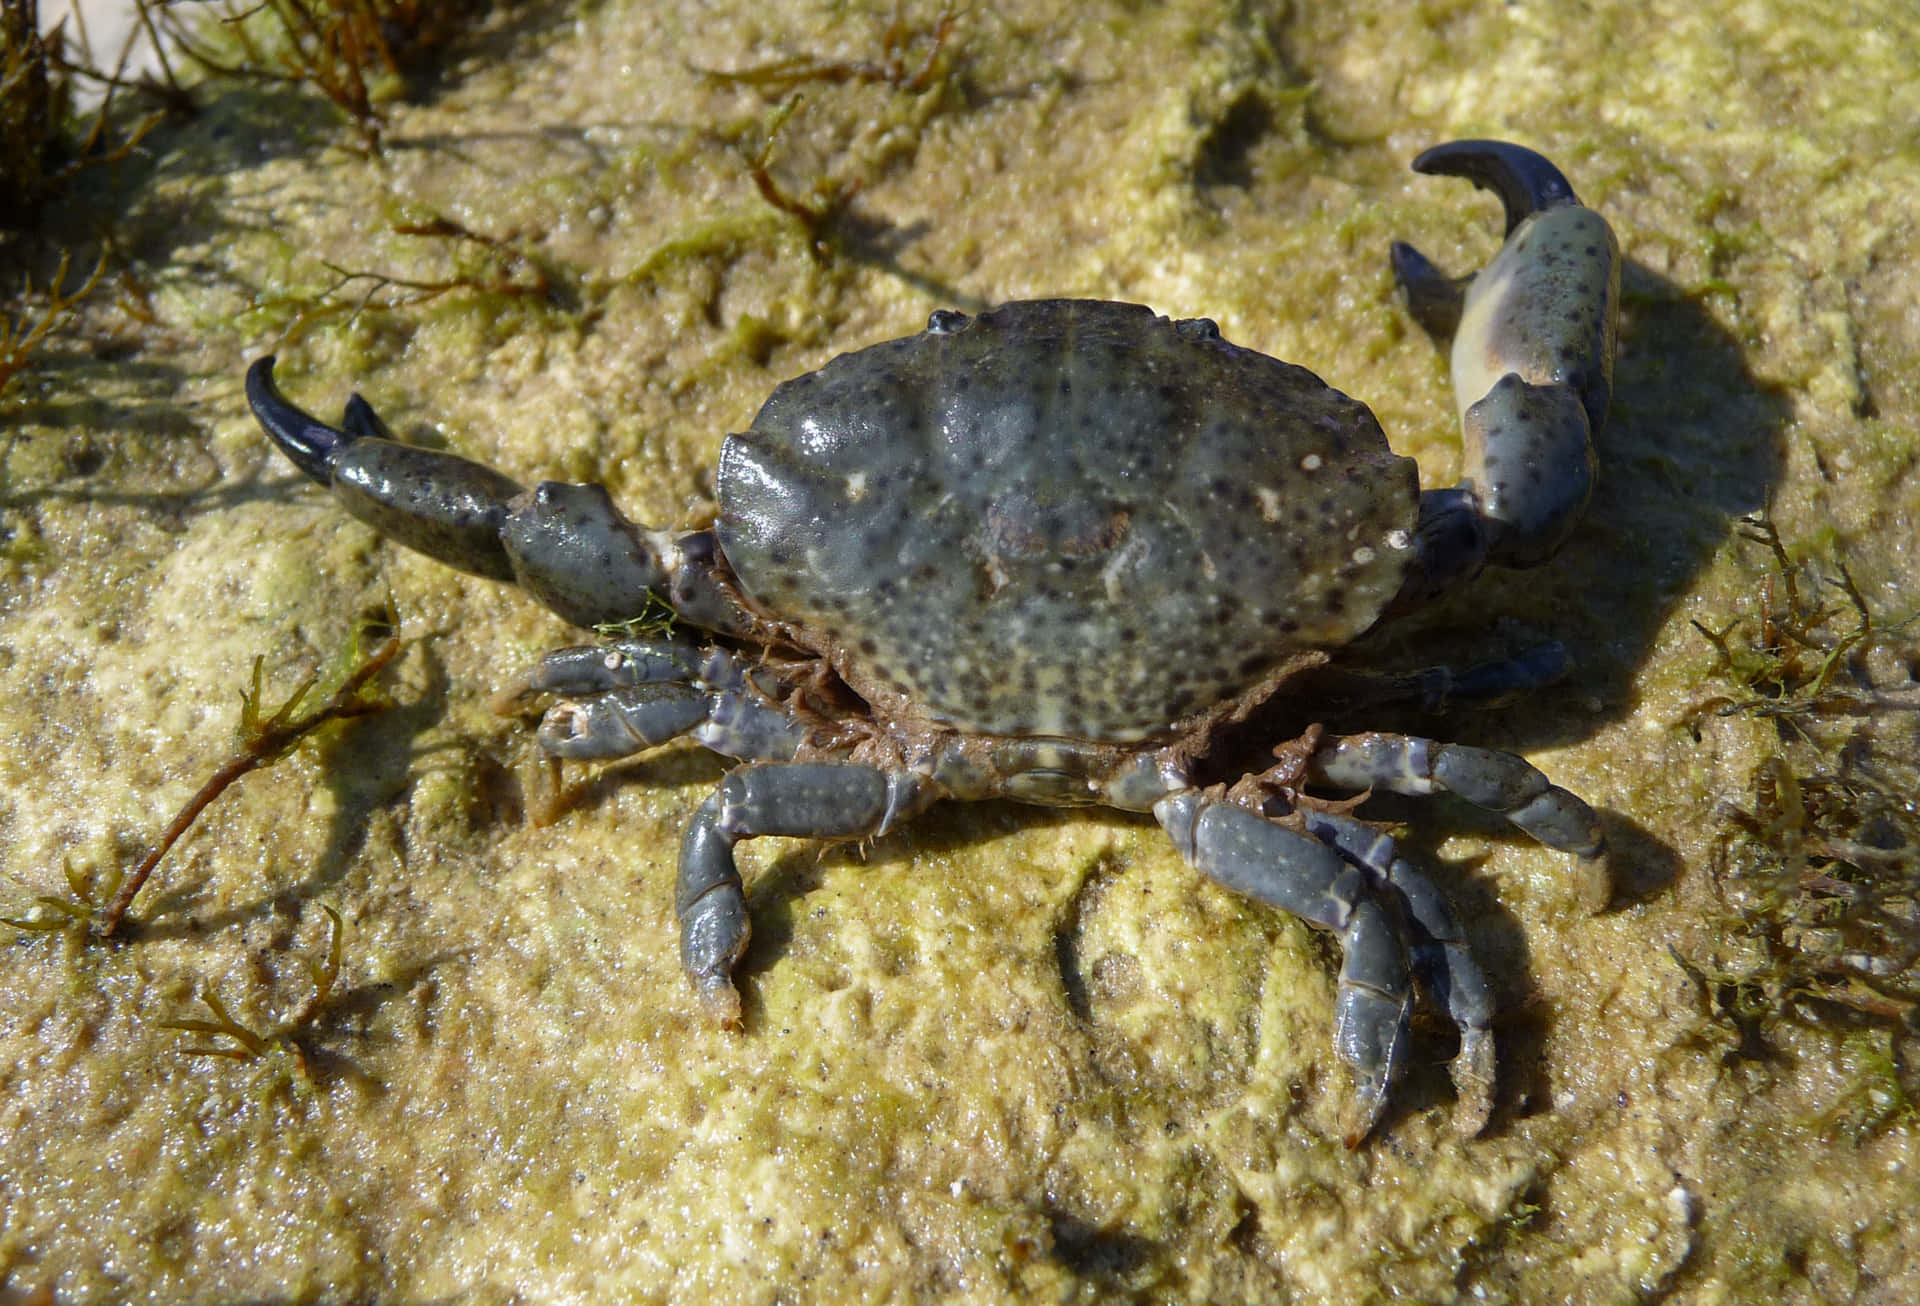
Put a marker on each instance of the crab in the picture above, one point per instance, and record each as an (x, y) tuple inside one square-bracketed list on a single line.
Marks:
[(1050, 553)]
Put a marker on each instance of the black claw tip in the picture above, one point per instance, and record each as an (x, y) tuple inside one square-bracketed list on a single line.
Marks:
[(1525, 182), (309, 442), (1434, 299), (361, 422)]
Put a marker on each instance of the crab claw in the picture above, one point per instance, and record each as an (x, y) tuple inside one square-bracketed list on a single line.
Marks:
[(439, 503), (1525, 182), (566, 545), (308, 442), (1533, 347)]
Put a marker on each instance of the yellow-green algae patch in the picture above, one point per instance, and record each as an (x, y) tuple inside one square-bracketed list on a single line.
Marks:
[(1001, 1055)]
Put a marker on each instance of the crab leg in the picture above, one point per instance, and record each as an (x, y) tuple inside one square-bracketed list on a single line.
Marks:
[(1499, 782), (1533, 348), (622, 722), (1255, 857), (807, 800), (620, 698), (567, 545), (596, 668), (1439, 955), (1439, 688)]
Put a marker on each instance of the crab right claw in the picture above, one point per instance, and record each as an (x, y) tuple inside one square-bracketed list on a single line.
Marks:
[(1533, 346)]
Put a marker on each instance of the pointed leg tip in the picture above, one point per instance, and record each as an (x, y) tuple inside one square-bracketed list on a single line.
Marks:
[(263, 395), (1411, 269), (720, 1001), (1406, 258), (1453, 158), (1479, 157), (1593, 879), (361, 421), (1362, 1112), (1473, 1080), (1470, 1118)]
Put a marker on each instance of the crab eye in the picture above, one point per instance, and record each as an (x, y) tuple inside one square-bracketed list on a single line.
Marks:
[(946, 321)]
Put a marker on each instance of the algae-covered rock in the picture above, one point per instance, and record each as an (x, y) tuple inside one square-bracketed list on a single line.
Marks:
[(1003, 1054)]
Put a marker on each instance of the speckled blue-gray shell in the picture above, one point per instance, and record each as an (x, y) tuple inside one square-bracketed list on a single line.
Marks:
[(1065, 517)]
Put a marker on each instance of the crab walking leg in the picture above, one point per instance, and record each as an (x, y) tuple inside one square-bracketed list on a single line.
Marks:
[(1439, 688), (1499, 782), (567, 545), (810, 800), (622, 698), (595, 668), (1252, 856), (621, 722), (1439, 954)]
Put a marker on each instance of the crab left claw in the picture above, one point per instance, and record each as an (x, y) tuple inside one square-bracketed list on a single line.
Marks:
[(567, 545), (1533, 346)]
